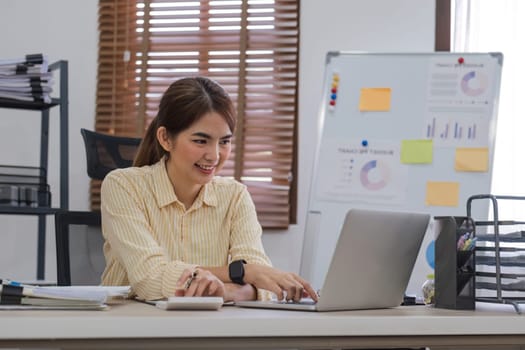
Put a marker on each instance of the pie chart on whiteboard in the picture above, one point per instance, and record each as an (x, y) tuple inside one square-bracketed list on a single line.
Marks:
[(375, 175), (474, 83)]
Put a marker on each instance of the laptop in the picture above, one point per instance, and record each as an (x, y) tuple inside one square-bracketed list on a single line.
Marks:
[(371, 265)]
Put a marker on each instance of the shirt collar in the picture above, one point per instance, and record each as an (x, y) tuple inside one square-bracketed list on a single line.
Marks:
[(165, 194)]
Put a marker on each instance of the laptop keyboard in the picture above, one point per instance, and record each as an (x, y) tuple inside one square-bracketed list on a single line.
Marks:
[(302, 302)]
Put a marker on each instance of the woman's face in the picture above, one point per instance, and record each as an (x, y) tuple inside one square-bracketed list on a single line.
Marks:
[(199, 152)]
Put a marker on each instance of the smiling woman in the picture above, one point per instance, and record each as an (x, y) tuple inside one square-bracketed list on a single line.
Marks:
[(170, 217), (194, 138), (198, 154)]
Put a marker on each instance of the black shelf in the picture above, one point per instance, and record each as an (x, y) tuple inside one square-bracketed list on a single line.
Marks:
[(62, 103), (28, 210), (34, 106)]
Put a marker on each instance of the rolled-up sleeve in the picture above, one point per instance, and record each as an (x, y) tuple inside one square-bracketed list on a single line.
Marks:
[(246, 241)]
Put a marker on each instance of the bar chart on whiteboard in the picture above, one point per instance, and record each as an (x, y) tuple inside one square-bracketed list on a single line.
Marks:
[(459, 103)]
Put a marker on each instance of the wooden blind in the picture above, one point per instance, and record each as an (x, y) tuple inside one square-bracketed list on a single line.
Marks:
[(250, 47)]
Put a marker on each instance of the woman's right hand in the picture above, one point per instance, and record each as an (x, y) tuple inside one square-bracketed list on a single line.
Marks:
[(204, 283), (285, 285)]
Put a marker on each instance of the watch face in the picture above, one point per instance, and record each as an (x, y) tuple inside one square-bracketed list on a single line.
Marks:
[(236, 270)]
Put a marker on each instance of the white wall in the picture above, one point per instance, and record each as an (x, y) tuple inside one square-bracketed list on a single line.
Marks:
[(66, 29)]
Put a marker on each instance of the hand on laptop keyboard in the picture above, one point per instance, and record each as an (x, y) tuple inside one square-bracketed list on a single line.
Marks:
[(304, 301), (285, 285)]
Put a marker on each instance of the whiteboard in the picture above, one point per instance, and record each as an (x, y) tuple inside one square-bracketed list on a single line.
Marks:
[(400, 131)]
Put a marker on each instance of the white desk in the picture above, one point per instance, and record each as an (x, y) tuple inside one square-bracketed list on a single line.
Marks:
[(133, 325)]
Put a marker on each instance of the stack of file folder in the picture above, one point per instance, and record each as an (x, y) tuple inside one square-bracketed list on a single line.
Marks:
[(24, 186), (15, 296), (26, 79), (511, 265)]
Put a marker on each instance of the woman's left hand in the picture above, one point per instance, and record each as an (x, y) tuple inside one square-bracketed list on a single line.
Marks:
[(285, 285), (204, 283)]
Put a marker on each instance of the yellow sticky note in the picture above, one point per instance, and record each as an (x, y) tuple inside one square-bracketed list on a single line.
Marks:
[(444, 194), (374, 99), (416, 151), (472, 159)]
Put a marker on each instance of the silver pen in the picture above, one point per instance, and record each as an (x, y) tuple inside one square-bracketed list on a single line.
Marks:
[(190, 279)]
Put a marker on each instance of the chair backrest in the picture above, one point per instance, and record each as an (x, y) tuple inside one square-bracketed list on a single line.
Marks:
[(107, 152), (79, 243)]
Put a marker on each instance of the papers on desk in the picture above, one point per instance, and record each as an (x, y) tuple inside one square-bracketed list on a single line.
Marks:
[(15, 296), (111, 292)]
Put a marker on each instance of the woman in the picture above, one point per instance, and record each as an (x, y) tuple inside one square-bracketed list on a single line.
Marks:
[(171, 226)]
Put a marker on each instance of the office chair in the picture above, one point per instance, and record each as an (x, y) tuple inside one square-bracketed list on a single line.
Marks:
[(107, 152), (79, 242)]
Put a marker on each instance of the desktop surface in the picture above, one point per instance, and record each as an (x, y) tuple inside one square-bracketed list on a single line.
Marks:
[(138, 325)]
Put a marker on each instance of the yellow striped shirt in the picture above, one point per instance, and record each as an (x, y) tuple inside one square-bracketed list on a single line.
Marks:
[(150, 238)]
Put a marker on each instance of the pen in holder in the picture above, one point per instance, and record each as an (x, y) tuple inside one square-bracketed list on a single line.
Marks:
[(455, 284)]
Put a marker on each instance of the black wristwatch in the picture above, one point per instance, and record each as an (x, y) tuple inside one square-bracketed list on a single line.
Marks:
[(236, 270)]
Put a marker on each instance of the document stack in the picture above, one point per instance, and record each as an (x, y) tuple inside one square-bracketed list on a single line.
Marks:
[(509, 265), (16, 296), (26, 79)]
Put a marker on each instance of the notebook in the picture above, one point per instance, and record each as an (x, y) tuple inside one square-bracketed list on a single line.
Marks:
[(371, 265)]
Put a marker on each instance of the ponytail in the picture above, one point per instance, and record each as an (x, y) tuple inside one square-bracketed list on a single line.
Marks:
[(150, 151)]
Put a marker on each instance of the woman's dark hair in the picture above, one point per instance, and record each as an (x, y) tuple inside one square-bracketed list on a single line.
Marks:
[(184, 102)]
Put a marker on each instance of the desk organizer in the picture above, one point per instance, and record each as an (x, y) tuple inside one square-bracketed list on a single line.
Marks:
[(500, 251), (454, 273)]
